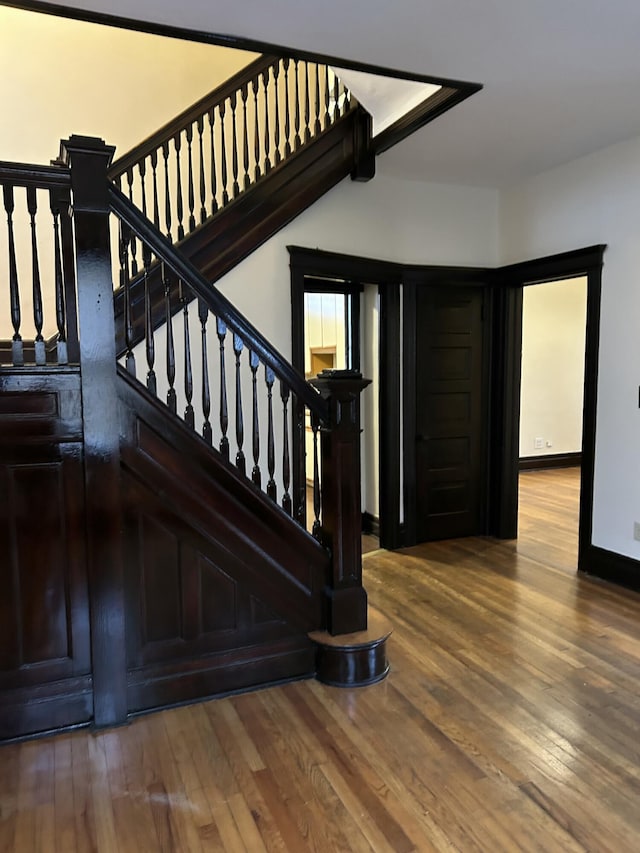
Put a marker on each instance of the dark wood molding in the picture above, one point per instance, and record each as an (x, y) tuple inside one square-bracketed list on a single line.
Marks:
[(550, 460), (356, 659), (316, 262), (409, 385), (597, 562), (553, 267), (370, 524), (389, 417)]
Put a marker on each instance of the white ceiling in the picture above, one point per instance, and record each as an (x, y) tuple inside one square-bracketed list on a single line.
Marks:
[(561, 77)]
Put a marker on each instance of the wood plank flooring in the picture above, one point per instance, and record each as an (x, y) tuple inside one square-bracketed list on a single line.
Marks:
[(510, 722)]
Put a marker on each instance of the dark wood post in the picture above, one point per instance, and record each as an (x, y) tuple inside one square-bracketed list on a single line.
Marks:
[(341, 508), (89, 160)]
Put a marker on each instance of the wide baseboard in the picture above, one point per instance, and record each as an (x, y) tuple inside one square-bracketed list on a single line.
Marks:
[(609, 566), (370, 524), (553, 460)]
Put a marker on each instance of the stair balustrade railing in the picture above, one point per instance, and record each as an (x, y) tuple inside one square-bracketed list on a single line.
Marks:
[(199, 162), (37, 300)]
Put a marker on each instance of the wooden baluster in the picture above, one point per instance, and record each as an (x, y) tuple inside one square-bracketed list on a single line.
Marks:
[(167, 190), (317, 126), (286, 462), (245, 136), (214, 180), (276, 131), (233, 101), (224, 411), (327, 98), (307, 106), (202, 182), (255, 473), (32, 207), (191, 200), (256, 87), (142, 169), (189, 417), (296, 139), (240, 460), (125, 284), (336, 97), (134, 245), (225, 191), (271, 445), (154, 180), (150, 346), (17, 349), (61, 344), (179, 206), (287, 109), (317, 527), (172, 401), (203, 315), (267, 141)]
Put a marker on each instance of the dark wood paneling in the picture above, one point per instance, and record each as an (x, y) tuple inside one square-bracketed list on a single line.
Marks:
[(45, 665), (389, 416), (608, 566)]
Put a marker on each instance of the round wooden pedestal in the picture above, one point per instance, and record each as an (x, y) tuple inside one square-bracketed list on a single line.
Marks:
[(353, 660)]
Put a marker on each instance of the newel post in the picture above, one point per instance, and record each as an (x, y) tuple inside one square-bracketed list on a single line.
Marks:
[(341, 507), (89, 159)]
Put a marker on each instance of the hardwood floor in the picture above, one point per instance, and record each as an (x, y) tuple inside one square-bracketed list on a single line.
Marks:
[(510, 721)]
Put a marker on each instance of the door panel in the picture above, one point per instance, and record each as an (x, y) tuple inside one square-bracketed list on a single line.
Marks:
[(450, 406)]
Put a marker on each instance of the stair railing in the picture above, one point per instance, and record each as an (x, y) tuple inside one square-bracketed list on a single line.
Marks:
[(240, 372), (37, 304), (199, 162)]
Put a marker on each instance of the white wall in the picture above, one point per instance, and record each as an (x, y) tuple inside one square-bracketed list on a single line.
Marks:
[(553, 340), (596, 199)]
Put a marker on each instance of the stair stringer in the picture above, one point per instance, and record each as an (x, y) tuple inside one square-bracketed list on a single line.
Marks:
[(221, 586)]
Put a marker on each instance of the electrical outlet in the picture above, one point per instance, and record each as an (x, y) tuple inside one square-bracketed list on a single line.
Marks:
[(549, 443), (636, 530), (538, 443)]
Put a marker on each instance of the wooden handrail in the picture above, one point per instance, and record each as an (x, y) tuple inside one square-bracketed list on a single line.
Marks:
[(29, 175), (216, 302), (185, 118)]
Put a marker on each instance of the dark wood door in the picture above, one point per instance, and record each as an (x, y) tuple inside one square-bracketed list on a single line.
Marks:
[(450, 412)]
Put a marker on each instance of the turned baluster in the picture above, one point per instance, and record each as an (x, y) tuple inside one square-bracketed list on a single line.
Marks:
[(223, 152), (154, 183), (307, 107), (255, 473), (336, 98), (189, 417), (214, 181), (61, 345), (245, 136), (271, 444), (203, 315), (142, 169), (32, 207), (317, 127), (224, 411), (286, 462), (317, 527), (150, 347), (240, 460), (17, 350), (134, 243), (170, 355), (255, 84), (202, 182), (327, 98), (276, 131), (287, 109), (267, 141), (233, 101), (190, 191), (167, 191), (179, 205), (296, 121), (125, 284)]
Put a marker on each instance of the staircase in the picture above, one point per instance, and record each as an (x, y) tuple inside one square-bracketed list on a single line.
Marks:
[(152, 553)]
